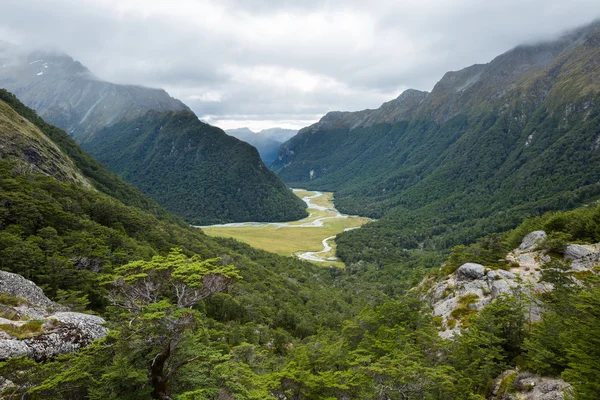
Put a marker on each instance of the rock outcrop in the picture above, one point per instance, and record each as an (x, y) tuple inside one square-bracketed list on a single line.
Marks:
[(532, 241), (470, 271), (473, 286), (33, 325), (514, 385)]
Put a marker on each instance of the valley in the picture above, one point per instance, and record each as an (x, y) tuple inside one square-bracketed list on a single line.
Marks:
[(311, 238), (444, 246)]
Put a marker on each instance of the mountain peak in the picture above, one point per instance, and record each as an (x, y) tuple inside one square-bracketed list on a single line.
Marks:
[(67, 94)]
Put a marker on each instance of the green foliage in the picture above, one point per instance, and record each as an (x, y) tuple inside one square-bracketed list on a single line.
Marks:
[(288, 329), (506, 385), (195, 170), (580, 340), (9, 300), (463, 311), (102, 179), (491, 343), (76, 300), (68, 239), (489, 251), (463, 164)]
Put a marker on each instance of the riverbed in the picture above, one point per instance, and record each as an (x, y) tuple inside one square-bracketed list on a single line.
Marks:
[(311, 238)]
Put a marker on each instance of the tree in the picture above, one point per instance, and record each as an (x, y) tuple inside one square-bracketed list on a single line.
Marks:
[(158, 299)]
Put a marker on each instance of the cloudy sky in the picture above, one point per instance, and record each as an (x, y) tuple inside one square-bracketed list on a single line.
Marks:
[(265, 63)]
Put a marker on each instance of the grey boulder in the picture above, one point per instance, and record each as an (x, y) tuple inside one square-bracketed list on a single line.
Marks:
[(470, 271), (532, 241)]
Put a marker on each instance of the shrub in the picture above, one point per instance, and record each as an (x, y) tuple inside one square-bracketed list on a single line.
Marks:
[(27, 330), (13, 301)]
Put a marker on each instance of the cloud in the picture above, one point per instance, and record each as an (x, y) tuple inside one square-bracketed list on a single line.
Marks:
[(265, 62)]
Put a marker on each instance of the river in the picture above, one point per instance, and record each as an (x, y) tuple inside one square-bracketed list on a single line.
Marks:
[(311, 238)]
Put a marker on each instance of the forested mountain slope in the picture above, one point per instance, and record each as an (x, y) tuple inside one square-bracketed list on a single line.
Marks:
[(93, 171), (22, 142), (195, 170), (67, 95), (69, 238), (490, 145), (262, 326), (223, 182)]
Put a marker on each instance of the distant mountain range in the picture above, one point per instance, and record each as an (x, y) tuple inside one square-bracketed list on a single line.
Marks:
[(490, 145), (153, 140), (267, 141)]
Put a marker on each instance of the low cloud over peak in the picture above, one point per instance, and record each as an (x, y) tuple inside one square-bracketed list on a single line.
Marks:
[(260, 63)]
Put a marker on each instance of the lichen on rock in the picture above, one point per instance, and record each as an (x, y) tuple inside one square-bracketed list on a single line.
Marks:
[(38, 327), (483, 285)]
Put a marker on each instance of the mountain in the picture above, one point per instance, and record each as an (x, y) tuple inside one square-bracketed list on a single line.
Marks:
[(24, 132), (279, 134), (189, 316), (194, 169), (25, 144), (206, 188), (490, 145), (68, 95), (267, 141)]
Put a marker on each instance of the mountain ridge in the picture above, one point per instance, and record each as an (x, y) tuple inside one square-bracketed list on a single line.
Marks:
[(67, 94), (195, 170), (486, 148)]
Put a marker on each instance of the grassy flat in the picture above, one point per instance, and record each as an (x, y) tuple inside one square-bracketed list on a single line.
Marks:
[(297, 237)]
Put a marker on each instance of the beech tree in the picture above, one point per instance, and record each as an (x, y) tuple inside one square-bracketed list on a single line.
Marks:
[(158, 299)]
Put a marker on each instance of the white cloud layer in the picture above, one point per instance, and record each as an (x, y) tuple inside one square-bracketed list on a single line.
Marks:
[(267, 62)]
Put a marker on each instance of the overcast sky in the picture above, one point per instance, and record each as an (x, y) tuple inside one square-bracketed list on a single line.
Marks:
[(265, 63)]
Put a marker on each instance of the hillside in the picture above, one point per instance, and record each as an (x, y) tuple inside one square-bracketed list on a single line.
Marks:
[(195, 170), (92, 170), (66, 94), (69, 239), (23, 143), (489, 146), (203, 189), (186, 316)]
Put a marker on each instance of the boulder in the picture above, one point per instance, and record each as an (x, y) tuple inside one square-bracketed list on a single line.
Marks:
[(506, 274), (54, 333), (500, 287), (532, 241), (493, 275), (470, 271), (576, 252), (528, 386), (11, 348), (17, 286), (445, 307)]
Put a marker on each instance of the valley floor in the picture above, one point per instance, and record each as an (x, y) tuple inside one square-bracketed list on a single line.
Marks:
[(311, 238)]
